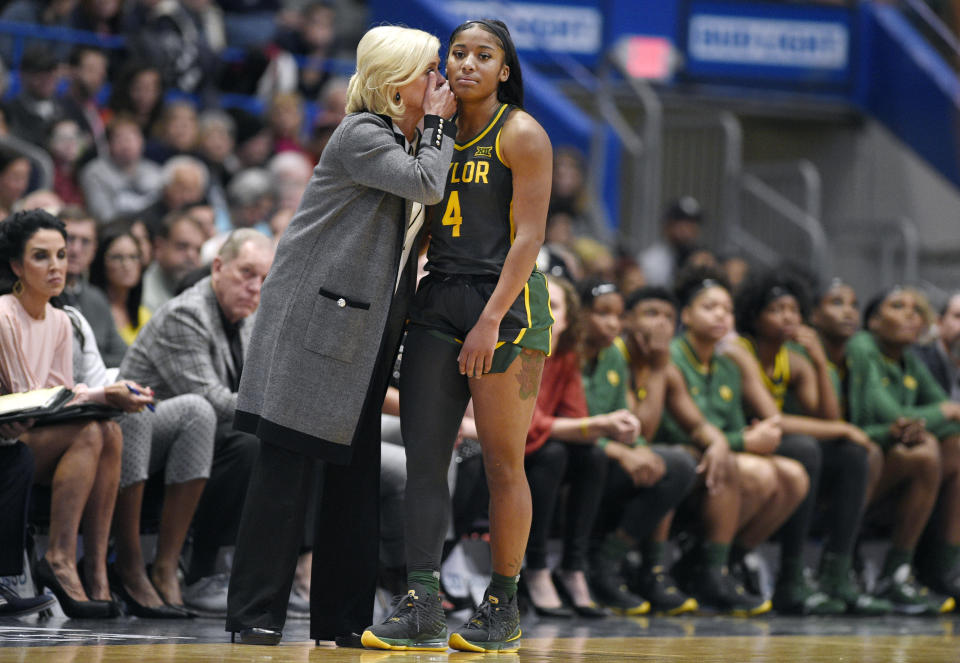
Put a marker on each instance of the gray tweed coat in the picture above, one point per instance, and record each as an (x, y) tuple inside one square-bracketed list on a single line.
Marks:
[(325, 302)]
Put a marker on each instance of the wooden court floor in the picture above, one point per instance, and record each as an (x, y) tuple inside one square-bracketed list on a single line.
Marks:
[(700, 639)]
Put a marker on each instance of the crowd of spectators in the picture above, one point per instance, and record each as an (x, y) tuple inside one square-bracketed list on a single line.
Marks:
[(691, 397)]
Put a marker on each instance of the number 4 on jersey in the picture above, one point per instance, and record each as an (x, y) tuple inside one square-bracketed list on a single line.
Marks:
[(452, 216)]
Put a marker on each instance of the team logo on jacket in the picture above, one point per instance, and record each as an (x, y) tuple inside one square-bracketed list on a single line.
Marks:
[(484, 151), (910, 382), (726, 393), (613, 377)]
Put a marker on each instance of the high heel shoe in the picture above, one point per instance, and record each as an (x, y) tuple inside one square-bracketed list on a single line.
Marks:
[(185, 612), (591, 610), (257, 636), (560, 612), (71, 607), (136, 608)]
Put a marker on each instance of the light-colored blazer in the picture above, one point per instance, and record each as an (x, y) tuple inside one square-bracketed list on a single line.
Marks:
[(183, 349), (324, 304)]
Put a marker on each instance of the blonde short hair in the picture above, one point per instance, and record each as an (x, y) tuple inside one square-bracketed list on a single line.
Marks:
[(388, 57)]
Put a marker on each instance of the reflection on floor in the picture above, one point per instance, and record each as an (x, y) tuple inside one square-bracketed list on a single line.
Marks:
[(701, 639)]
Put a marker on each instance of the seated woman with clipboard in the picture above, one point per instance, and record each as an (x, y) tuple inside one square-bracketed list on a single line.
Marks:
[(79, 459)]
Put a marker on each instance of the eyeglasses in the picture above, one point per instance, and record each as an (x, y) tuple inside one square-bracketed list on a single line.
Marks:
[(120, 258)]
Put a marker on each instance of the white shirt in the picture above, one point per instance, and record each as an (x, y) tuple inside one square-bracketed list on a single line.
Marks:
[(417, 214)]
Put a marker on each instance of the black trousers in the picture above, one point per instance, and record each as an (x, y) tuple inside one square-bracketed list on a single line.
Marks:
[(16, 478), (638, 510), (217, 519), (346, 530), (806, 451), (583, 467)]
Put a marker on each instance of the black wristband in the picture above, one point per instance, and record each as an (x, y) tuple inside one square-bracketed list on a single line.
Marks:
[(441, 126)]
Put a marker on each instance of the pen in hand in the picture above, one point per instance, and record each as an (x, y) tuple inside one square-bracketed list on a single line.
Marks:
[(149, 405)]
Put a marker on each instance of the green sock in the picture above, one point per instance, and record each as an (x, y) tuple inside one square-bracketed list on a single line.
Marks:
[(503, 586), (614, 548), (654, 553), (946, 557), (428, 579), (896, 557), (715, 555)]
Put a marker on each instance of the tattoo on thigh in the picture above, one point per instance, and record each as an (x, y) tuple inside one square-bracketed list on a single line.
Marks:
[(531, 365)]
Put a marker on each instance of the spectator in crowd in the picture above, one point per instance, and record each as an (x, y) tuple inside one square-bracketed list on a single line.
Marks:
[(176, 251), (597, 261), (216, 140), (14, 178), (571, 194), (891, 394), (184, 181), (196, 345), (79, 459), (331, 107), (250, 200), (254, 140), (66, 145), (184, 428), (88, 73), (138, 93), (681, 233), (165, 34), (735, 268), (31, 114), (16, 478), (205, 215), (557, 256), (144, 238), (285, 118), (121, 182), (942, 355), (312, 38), (176, 132), (117, 270), (291, 171), (208, 17), (43, 199), (80, 293), (770, 310)]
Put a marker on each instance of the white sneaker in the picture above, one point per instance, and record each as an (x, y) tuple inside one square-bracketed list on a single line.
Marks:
[(208, 596)]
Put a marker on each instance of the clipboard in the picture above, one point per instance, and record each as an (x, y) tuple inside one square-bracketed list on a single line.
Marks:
[(34, 404), (77, 413)]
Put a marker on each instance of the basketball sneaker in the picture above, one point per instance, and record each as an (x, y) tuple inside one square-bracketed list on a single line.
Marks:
[(417, 622), (494, 627)]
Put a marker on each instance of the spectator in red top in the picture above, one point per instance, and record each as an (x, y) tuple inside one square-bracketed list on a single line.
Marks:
[(561, 448)]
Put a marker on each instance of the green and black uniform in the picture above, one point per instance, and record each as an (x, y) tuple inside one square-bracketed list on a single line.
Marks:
[(717, 390), (472, 231), (636, 510), (879, 390)]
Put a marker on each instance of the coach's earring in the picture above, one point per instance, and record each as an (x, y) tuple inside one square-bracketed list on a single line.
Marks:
[(17, 288), (396, 97)]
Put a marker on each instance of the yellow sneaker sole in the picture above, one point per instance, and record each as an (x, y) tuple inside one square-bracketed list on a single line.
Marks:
[(371, 641), (510, 646)]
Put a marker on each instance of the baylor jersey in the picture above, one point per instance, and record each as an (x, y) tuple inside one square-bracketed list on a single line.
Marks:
[(472, 229)]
